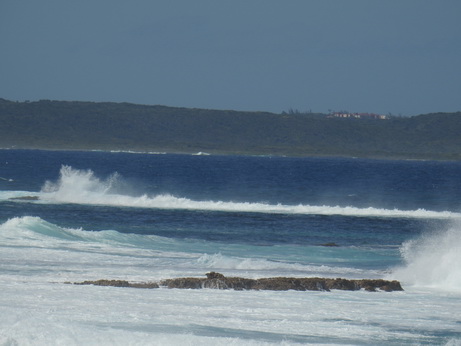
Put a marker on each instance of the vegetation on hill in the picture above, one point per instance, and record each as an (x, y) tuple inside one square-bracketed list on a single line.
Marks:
[(122, 126)]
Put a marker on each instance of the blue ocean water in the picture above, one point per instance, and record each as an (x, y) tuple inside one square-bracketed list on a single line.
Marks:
[(144, 217)]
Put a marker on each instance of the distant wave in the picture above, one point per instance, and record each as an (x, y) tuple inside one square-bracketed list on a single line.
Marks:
[(138, 152), (201, 153), (83, 187)]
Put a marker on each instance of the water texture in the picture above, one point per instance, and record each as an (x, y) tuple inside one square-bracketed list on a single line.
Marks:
[(75, 216)]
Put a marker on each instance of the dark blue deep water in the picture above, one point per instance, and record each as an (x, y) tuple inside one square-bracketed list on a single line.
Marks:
[(405, 186)]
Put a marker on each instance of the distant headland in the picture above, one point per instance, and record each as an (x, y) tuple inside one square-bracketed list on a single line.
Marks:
[(74, 125)]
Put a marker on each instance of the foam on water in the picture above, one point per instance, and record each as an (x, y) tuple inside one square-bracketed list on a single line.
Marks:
[(433, 260), (83, 187), (37, 257)]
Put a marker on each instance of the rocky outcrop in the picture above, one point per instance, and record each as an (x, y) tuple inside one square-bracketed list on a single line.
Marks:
[(219, 281), (329, 244), (25, 198), (118, 283)]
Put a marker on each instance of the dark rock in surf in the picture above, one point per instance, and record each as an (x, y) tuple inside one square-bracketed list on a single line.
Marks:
[(119, 283), (384, 285), (214, 275), (219, 281), (343, 284), (25, 198)]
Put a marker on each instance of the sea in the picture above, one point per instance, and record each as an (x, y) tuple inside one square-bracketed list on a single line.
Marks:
[(73, 216)]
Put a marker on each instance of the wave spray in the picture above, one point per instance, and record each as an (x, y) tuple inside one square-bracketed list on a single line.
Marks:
[(79, 186), (433, 260)]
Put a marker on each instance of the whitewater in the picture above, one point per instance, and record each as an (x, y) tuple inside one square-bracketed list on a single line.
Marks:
[(145, 218), (83, 187)]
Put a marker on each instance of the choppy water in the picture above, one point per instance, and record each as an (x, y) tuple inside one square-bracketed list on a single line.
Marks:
[(147, 217)]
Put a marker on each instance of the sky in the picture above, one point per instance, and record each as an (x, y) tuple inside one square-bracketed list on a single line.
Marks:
[(401, 57)]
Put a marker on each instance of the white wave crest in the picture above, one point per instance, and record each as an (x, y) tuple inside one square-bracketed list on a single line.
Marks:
[(433, 260), (83, 187), (74, 184)]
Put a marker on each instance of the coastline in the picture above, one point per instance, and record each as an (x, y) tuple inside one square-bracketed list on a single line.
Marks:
[(89, 126)]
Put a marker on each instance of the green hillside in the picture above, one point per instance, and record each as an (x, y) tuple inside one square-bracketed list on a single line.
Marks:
[(122, 126)]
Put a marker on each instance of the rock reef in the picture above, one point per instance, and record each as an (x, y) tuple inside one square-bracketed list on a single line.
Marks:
[(118, 283), (219, 281), (25, 198)]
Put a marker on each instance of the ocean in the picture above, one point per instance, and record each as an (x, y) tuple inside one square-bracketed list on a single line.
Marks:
[(145, 217)]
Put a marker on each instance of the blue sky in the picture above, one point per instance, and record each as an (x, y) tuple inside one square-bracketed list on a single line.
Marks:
[(394, 56)]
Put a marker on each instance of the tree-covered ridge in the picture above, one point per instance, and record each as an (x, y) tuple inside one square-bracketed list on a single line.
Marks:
[(123, 126)]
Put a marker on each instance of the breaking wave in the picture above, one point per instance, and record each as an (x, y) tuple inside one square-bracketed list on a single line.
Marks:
[(433, 260), (83, 187), (168, 255)]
